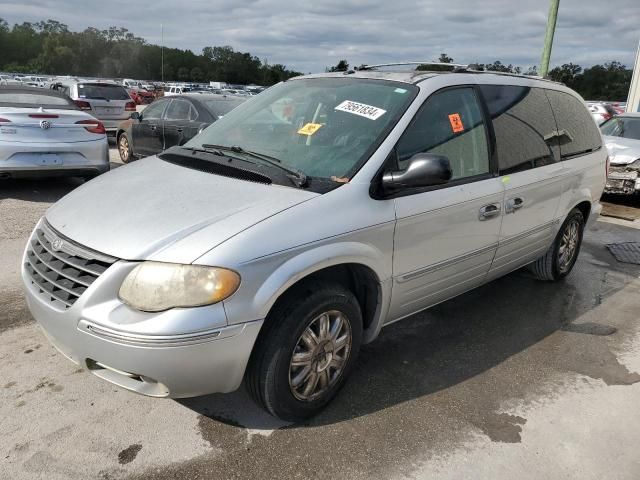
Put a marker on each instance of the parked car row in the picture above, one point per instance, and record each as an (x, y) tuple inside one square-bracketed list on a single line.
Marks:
[(36, 139), (24, 80)]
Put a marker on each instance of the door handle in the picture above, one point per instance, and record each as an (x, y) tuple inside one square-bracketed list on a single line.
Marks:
[(489, 211), (514, 204)]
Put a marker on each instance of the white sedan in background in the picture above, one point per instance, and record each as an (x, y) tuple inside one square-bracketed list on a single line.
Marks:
[(43, 133)]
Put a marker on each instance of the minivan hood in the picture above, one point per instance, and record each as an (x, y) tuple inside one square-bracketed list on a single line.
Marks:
[(152, 209), (622, 151)]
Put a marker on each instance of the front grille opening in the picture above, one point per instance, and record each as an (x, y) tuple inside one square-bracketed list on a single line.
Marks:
[(93, 365), (60, 276)]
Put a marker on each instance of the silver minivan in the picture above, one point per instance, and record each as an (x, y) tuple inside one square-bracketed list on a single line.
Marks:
[(275, 243)]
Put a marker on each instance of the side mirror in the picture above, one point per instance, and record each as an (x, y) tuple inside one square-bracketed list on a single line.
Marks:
[(135, 116), (424, 170)]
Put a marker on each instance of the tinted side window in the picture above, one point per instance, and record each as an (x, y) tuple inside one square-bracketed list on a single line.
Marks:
[(449, 123), (178, 110), (154, 111), (577, 132), (524, 126)]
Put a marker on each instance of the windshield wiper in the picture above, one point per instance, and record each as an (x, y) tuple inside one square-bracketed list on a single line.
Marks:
[(299, 177), (209, 149)]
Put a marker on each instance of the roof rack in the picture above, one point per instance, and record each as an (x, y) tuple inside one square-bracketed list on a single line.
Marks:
[(457, 68), (453, 65)]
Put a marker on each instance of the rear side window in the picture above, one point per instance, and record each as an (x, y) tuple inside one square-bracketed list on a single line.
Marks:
[(95, 91), (577, 131), (449, 123), (524, 126), (180, 110)]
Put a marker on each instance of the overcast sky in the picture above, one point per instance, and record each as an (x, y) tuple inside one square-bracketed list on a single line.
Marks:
[(309, 35)]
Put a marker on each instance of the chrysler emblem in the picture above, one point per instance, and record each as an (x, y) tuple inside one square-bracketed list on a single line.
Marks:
[(45, 124), (57, 244)]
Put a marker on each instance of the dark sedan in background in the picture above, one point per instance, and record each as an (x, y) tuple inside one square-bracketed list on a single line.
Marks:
[(170, 121)]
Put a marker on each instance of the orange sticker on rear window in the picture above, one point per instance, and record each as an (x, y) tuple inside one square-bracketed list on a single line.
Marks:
[(456, 123)]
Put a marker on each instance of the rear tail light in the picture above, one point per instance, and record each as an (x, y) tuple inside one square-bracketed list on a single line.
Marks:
[(96, 126), (4, 120), (82, 105), (42, 115), (606, 116), (130, 107)]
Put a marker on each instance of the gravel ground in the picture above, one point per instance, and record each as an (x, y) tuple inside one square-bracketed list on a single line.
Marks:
[(515, 379)]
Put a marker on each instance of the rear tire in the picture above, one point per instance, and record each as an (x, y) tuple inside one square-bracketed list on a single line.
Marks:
[(124, 148), (306, 351), (559, 260)]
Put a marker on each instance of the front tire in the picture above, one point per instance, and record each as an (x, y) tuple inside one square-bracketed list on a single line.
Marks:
[(307, 350), (124, 148), (559, 260)]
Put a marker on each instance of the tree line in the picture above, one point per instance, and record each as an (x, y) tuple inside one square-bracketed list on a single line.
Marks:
[(50, 48), (609, 81)]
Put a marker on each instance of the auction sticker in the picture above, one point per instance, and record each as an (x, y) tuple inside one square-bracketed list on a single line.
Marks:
[(456, 123), (310, 129), (361, 109)]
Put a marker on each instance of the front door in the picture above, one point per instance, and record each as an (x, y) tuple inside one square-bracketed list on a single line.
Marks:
[(446, 236), (147, 132), (528, 158)]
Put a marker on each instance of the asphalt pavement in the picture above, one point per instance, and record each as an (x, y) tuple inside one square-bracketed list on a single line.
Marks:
[(517, 379)]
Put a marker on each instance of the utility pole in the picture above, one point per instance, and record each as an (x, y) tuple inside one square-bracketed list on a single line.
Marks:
[(162, 52), (548, 38)]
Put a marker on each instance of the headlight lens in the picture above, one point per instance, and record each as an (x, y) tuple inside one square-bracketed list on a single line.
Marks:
[(156, 286)]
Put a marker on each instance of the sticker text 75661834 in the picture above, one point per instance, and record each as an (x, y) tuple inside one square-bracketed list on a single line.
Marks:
[(366, 111)]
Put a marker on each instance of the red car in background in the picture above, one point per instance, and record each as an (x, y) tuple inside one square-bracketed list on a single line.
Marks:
[(141, 96)]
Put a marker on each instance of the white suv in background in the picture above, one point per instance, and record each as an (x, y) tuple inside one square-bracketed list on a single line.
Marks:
[(107, 101)]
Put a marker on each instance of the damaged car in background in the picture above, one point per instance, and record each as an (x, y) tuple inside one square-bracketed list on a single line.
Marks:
[(622, 137)]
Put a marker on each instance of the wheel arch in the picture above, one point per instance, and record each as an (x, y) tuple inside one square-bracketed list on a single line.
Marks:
[(359, 268)]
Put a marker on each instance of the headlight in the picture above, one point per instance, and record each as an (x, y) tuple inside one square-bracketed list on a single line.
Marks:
[(155, 286)]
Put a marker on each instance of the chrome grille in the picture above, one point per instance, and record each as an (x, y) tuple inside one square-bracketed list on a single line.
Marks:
[(60, 269)]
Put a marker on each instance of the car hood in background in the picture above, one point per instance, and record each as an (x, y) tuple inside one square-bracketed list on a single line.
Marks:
[(156, 210), (622, 151)]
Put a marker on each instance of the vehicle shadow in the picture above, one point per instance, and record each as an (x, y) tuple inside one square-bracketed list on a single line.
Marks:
[(42, 190), (45, 190), (452, 342)]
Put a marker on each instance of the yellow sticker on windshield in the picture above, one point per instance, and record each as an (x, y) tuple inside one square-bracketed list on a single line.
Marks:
[(310, 128)]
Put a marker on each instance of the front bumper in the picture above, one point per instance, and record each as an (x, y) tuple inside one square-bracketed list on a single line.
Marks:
[(625, 183), (177, 353)]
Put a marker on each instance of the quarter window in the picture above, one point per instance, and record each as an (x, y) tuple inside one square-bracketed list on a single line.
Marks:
[(577, 132), (449, 123), (180, 110), (524, 126), (154, 111)]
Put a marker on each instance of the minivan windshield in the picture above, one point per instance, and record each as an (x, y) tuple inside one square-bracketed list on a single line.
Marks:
[(625, 127), (324, 127)]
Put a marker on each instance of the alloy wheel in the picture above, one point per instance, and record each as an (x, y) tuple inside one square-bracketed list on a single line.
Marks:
[(568, 245), (123, 148), (320, 355)]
